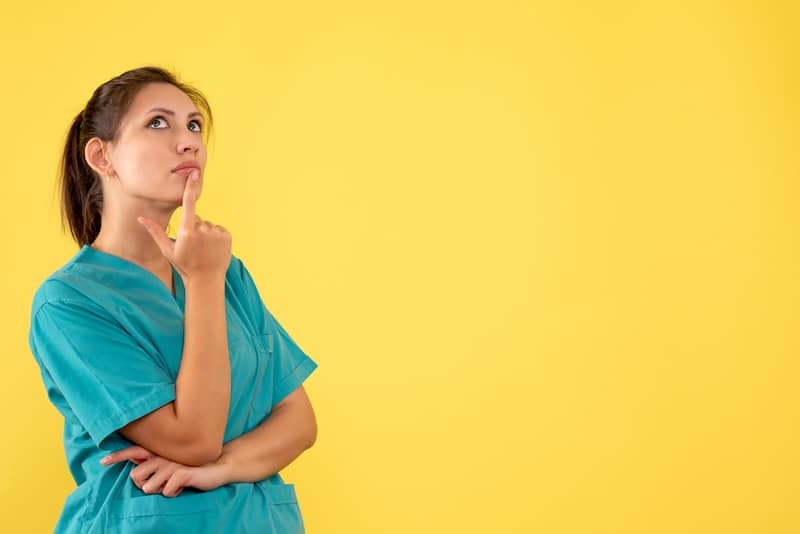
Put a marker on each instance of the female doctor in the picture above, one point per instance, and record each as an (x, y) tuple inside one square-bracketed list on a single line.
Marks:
[(181, 393)]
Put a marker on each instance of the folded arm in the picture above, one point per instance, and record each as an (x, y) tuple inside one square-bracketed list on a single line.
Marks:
[(288, 430)]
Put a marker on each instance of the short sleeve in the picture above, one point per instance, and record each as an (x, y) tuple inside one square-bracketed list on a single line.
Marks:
[(290, 365), (94, 369)]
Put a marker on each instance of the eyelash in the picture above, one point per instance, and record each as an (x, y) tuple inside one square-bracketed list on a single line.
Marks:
[(200, 124)]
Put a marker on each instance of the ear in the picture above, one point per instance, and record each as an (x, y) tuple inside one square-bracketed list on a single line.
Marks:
[(97, 156)]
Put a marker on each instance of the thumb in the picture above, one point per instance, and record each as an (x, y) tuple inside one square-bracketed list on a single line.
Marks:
[(166, 245)]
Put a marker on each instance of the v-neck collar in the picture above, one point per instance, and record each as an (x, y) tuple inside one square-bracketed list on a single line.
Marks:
[(104, 258)]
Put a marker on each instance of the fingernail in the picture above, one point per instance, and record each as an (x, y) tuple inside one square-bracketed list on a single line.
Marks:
[(105, 460), (194, 175)]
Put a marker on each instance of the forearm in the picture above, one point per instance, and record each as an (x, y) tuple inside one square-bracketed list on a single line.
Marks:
[(202, 388), (269, 447)]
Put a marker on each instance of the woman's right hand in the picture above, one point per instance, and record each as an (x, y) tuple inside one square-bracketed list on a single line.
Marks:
[(157, 474), (201, 250)]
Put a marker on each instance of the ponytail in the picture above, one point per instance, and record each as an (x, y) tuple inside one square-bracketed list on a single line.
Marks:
[(81, 190)]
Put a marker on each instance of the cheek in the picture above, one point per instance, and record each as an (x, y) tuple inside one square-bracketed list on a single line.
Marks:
[(142, 169)]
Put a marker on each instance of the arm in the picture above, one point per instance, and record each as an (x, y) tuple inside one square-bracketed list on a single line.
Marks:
[(203, 386), (192, 427), (288, 430)]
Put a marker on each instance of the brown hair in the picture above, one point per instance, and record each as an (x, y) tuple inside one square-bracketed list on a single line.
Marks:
[(81, 188)]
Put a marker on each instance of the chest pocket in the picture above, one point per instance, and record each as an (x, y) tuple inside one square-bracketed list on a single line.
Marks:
[(262, 345), (256, 349), (250, 356)]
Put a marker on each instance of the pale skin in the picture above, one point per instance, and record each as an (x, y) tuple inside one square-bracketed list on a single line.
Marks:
[(141, 192)]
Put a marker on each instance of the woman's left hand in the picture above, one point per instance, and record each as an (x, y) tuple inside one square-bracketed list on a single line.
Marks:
[(155, 474)]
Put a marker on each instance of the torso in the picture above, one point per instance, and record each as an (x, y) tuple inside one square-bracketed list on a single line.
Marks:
[(165, 276), (167, 281)]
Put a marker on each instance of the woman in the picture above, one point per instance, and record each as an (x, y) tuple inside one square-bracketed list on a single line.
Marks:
[(159, 352)]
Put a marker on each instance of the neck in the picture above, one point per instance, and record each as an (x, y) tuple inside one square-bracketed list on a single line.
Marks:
[(122, 235)]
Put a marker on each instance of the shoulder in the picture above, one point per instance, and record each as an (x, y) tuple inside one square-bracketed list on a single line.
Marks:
[(239, 274), (235, 275), (245, 289), (62, 286), (235, 267)]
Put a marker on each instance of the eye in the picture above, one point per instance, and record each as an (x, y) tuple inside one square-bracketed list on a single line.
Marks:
[(160, 118), (154, 119)]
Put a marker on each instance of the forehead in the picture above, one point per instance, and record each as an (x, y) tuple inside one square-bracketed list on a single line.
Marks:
[(163, 95)]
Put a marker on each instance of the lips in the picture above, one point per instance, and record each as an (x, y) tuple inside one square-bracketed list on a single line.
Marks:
[(186, 165)]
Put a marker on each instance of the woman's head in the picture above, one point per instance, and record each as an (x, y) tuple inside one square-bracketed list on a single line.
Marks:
[(120, 152)]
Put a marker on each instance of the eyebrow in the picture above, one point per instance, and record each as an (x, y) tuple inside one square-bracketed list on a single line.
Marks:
[(170, 112)]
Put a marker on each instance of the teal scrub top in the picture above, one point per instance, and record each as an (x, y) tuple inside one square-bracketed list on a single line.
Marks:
[(107, 335)]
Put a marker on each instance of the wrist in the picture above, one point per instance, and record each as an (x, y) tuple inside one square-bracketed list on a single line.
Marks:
[(227, 466), (204, 282)]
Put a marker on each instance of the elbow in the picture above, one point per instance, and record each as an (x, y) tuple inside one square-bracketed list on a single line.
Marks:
[(211, 452), (198, 451), (201, 454), (312, 434)]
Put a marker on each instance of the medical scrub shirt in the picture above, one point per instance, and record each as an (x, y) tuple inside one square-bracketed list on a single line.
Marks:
[(107, 335)]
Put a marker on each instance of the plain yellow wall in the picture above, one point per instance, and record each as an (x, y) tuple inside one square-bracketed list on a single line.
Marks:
[(545, 254)]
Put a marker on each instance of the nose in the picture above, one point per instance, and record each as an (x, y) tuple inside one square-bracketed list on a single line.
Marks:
[(189, 142)]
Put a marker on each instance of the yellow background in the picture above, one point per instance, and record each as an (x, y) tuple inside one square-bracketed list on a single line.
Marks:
[(545, 254)]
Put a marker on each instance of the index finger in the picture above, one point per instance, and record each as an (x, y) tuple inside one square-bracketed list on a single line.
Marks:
[(189, 199), (130, 453)]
